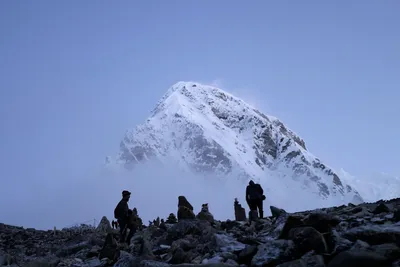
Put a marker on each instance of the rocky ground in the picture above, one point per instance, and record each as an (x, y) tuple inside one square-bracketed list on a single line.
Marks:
[(363, 235)]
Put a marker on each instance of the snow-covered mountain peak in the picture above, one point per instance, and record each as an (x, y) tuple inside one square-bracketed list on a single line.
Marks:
[(199, 103), (197, 96), (206, 129)]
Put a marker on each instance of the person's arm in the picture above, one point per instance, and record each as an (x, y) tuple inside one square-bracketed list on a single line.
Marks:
[(247, 193)]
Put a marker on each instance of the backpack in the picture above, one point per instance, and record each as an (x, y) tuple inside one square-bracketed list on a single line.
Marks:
[(254, 192), (117, 211)]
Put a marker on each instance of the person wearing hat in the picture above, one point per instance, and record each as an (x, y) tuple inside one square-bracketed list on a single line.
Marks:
[(121, 213)]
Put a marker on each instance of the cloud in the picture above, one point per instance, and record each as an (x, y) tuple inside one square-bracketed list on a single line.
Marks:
[(219, 83), (253, 96), (155, 189)]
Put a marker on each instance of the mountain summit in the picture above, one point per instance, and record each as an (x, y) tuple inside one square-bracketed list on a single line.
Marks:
[(205, 129)]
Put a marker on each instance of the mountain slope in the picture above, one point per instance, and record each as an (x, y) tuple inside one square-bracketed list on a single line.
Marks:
[(374, 187), (205, 129)]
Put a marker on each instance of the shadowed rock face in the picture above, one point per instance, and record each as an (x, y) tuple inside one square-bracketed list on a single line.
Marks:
[(211, 131), (364, 235), (208, 156)]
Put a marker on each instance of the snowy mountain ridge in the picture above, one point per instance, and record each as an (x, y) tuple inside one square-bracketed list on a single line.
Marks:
[(205, 129), (375, 186)]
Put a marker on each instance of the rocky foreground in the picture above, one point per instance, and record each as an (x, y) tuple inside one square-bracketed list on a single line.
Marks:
[(363, 235)]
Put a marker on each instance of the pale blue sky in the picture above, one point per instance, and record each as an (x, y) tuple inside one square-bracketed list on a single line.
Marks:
[(74, 75)]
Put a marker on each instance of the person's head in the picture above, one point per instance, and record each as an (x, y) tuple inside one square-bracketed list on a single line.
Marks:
[(126, 195), (251, 182)]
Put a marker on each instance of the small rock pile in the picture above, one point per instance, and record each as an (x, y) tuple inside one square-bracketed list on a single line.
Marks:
[(349, 235)]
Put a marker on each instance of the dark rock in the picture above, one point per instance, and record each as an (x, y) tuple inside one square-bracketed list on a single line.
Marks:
[(231, 262), (359, 245), (104, 225), (396, 263), (273, 253), (180, 256), (249, 240), (341, 236), (307, 239), (355, 210), (381, 208), (220, 264), (110, 249), (353, 258), (151, 263), (396, 215), (127, 260), (389, 250), (276, 212), (188, 227), (374, 234), (246, 255), (72, 249), (229, 255), (311, 261), (229, 225), (227, 243), (291, 222), (184, 244), (322, 222), (278, 225), (94, 262), (142, 248), (44, 262), (94, 252)]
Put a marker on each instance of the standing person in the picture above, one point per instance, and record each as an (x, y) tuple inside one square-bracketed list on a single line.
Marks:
[(255, 197), (121, 213)]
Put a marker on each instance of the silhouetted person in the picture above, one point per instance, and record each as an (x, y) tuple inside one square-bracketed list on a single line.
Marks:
[(121, 213), (255, 197), (113, 224)]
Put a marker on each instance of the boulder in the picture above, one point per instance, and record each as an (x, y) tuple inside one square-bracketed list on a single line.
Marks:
[(276, 212), (104, 226)]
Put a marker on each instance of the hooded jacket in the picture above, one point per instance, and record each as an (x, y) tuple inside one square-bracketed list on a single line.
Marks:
[(254, 191)]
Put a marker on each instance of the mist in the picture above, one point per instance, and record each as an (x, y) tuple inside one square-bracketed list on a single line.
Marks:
[(66, 201), (155, 188)]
